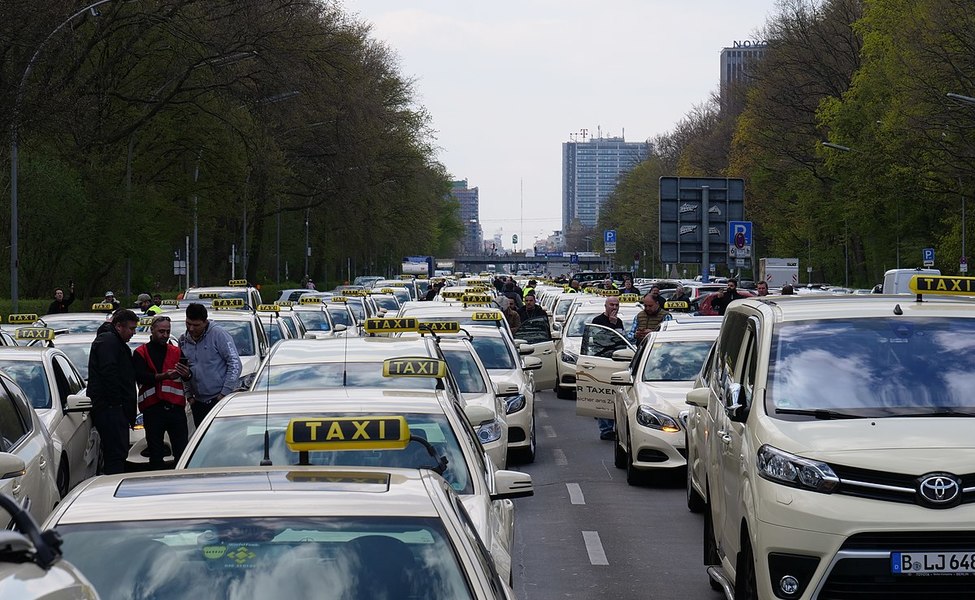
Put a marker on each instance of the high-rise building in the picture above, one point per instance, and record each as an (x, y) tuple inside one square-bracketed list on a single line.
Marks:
[(591, 168), (471, 243), (737, 65)]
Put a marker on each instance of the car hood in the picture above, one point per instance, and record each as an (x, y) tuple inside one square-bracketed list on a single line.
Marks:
[(486, 399), (249, 365), (572, 345), (902, 444), (506, 376), (666, 396)]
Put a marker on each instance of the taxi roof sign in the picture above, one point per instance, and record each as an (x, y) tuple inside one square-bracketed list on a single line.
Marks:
[(347, 433), (228, 303), (102, 307), (209, 295), (629, 297), (355, 293), (391, 325), (486, 316), (268, 308), (476, 299), (146, 321), (676, 305), (415, 367), (22, 318), (310, 300), (942, 285), (170, 302), (237, 283), (286, 303), (452, 294), (387, 290), (34, 333), (338, 299), (440, 326)]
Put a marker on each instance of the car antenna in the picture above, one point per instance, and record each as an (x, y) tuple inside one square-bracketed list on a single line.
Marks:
[(345, 361), (266, 461)]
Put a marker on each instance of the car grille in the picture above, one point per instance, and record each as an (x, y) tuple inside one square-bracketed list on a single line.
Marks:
[(918, 541), (871, 579), (890, 487)]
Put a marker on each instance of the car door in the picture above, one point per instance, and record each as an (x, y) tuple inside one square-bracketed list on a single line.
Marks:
[(537, 333), (22, 433), (77, 433), (595, 392)]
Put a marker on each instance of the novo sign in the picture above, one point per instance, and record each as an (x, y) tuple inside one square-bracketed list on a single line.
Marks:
[(749, 44)]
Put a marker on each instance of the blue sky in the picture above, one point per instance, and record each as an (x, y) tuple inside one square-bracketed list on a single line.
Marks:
[(507, 82)]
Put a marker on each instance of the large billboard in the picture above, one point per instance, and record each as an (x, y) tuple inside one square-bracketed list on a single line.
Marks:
[(682, 217)]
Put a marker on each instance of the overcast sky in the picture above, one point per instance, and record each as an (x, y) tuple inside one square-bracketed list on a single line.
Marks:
[(506, 82)]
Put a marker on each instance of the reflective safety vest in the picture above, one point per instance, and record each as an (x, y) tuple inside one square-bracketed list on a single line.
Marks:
[(167, 390)]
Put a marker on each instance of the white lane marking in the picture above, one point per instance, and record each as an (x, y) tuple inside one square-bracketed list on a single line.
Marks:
[(560, 458), (597, 556), (549, 431), (542, 413), (575, 493)]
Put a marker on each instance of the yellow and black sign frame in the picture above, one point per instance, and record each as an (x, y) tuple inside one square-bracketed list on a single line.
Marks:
[(268, 308), (494, 316), (34, 333), (228, 304), (415, 366), (439, 326), (19, 318), (102, 307), (380, 432), (391, 325), (942, 285)]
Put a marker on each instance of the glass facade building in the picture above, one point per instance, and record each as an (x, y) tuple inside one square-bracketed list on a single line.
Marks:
[(590, 171), (472, 242)]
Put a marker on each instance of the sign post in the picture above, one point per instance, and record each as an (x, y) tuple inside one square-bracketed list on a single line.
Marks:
[(927, 255)]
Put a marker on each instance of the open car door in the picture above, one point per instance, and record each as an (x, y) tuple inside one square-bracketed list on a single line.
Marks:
[(604, 351), (538, 333)]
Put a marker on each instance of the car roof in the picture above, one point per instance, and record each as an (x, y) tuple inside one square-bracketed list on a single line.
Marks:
[(351, 349), (685, 335), (249, 492), (330, 400), (25, 352), (828, 306)]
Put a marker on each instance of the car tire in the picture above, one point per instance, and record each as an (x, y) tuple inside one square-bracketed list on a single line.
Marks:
[(695, 503), (64, 477), (746, 586), (711, 557), (634, 476), (619, 454)]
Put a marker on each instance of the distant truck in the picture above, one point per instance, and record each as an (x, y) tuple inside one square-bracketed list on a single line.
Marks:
[(777, 272), (896, 281)]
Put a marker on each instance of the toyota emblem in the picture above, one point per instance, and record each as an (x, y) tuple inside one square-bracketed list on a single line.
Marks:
[(939, 489)]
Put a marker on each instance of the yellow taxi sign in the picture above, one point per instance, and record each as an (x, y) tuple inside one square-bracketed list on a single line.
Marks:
[(310, 300), (387, 290), (612, 292), (209, 295), (676, 305), (355, 293), (268, 308), (237, 283), (486, 316), (406, 277), (34, 333), (390, 325), (452, 294), (423, 277), (102, 307), (227, 303), (145, 321), (338, 299), (942, 285), (22, 318), (440, 326), (476, 299), (170, 302), (629, 297), (286, 303), (414, 367), (348, 433)]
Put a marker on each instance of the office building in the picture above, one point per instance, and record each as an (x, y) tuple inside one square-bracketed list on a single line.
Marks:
[(591, 168), (737, 66), (469, 214)]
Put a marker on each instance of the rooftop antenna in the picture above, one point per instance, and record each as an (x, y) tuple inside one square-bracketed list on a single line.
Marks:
[(266, 461)]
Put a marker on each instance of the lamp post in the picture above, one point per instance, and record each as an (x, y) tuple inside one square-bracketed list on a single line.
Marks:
[(14, 141), (846, 232)]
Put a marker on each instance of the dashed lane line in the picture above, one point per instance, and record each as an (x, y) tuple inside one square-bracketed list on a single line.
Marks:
[(597, 556), (575, 493), (560, 458)]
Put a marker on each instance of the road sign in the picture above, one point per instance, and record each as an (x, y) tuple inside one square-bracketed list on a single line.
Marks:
[(683, 238), (609, 241), (740, 239), (963, 267), (927, 255), (514, 239), (574, 259)]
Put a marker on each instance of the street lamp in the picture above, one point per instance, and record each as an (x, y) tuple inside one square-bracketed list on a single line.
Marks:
[(846, 232), (962, 99), (14, 140)]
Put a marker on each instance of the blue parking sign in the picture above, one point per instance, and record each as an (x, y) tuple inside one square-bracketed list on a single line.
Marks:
[(609, 236), (927, 255)]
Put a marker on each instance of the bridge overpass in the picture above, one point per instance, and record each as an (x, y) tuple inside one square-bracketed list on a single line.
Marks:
[(545, 262)]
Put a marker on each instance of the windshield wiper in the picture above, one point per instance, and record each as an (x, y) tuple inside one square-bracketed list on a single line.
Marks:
[(819, 413), (938, 413)]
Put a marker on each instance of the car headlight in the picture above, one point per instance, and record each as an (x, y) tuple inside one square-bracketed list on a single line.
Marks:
[(654, 419), (569, 357), (489, 432), (795, 471), (139, 422), (513, 404)]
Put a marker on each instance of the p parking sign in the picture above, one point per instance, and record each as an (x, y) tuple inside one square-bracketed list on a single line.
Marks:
[(740, 239)]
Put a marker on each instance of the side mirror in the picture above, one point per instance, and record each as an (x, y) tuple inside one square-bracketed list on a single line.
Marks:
[(525, 349), (532, 363), (512, 484), (623, 355), (339, 328), (78, 403), (12, 466), (733, 407), (382, 312), (507, 389), (520, 342), (621, 377), (699, 397), (478, 415), (557, 334)]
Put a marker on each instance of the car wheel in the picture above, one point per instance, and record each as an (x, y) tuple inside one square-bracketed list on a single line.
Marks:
[(746, 586), (711, 557), (64, 477), (528, 454), (634, 476), (619, 454), (695, 503)]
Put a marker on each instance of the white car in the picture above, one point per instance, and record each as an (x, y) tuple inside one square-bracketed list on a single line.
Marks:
[(588, 307), (48, 378)]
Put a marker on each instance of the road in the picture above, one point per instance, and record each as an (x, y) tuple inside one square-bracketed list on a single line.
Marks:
[(587, 534)]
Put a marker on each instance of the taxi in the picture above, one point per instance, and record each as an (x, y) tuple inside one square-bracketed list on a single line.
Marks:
[(276, 327), (341, 314), (235, 288), (650, 409), (314, 319), (48, 379), (27, 455), (79, 322), (442, 440), (587, 307), (840, 453), (404, 284), (385, 300), (31, 567)]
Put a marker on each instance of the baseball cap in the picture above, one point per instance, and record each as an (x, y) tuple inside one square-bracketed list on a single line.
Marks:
[(145, 298), (109, 293)]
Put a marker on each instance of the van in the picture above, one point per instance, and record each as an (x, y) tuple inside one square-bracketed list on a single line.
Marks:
[(830, 445), (896, 280)]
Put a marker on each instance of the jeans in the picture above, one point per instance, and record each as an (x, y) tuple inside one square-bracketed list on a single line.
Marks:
[(113, 429), (159, 419), (201, 410), (606, 425)]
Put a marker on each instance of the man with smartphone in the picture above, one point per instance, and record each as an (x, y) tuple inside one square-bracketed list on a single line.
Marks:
[(160, 370)]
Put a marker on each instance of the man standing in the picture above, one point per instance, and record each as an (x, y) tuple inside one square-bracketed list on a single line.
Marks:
[(510, 314), (761, 288), (628, 287), (110, 299), (647, 320), (160, 369), (213, 360), (723, 298), (680, 295), (111, 387), (434, 290), (609, 318), (60, 305), (148, 308), (531, 309)]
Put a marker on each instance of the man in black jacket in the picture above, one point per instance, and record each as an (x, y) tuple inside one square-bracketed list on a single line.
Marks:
[(60, 303), (111, 387)]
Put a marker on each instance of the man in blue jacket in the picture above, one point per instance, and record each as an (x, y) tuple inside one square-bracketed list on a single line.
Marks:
[(213, 361)]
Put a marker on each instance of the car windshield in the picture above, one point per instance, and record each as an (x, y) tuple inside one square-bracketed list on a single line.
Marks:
[(241, 331), (31, 377), (563, 306), (675, 360), (314, 320), (388, 302), (464, 368), (336, 374), (264, 557), (78, 355), (239, 442), (74, 324), (578, 324), (340, 315), (874, 367), (273, 331), (190, 296), (356, 304), (493, 353)]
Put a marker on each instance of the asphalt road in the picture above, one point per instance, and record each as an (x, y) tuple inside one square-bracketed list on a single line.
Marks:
[(586, 533)]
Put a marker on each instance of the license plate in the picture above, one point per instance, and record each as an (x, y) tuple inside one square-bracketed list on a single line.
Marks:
[(932, 563)]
